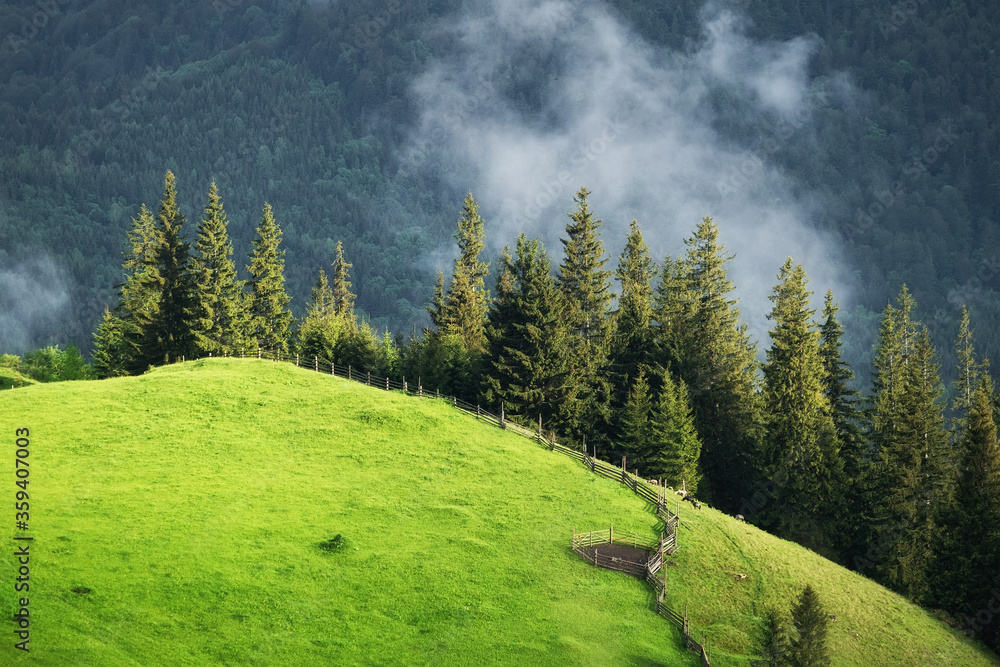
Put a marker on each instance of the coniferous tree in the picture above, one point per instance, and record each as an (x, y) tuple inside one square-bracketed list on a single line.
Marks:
[(270, 319), (906, 481), (700, 337), (137, 299), (633, 342), (109, 356), (343, 297), (845, 413), (801, 456), (966, 569), (321, 329), (466, 303), (774, 643), (586, 293), (969, 372), (527, 340), (220, 293), (436, 307), (811, 623), (451, 355), (168, 334), (843, 400), (638, 429), (676, 458)]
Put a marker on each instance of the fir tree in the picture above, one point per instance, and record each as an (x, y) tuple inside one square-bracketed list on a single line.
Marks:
[(168, 334), (843, 400), (677, 455), (638, 434), (343, 298), (633, 342), (811, 624), (138, 301), (466, 304), (801, 456), (966, 568), (906, 481), (969, 372), (219, 292), (436, 307), (774, 643), (586, 292), (110, 352), (701, 338), (527, 340), (845, 413), (270, 319)]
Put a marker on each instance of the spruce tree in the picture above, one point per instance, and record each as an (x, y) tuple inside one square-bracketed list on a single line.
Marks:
[(585, 287), (321, 330), (138, 302), (843, 400), (343, 297), (527, 340), (270, 319), (700, 337), (845, 412), (677, 455), (811, 624), (219, 292), (906, 481), (774, 643), (110, 352), (168, 335), (466, 303), (966, 568), (638, 434), (633, 342), (801, 456)]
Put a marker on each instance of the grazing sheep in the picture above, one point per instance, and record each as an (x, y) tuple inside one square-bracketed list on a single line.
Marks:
[(740, 577), (680, 492), (654, 482), (739, 517), (694, 502)]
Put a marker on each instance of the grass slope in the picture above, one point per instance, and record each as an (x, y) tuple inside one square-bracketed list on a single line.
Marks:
[(191, 502)]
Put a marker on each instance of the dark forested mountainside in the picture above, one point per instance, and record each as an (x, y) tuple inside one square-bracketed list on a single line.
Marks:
[(306, 106)]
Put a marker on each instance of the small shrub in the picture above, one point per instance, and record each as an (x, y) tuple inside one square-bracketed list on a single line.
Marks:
[(335, 543)]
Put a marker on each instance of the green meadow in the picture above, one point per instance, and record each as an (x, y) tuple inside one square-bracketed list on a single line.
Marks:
[(180, 518)]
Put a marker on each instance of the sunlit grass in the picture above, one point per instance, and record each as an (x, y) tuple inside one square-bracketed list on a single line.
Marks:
[(193, 501)]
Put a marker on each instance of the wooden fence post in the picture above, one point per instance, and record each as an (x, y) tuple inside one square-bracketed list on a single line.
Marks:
[(611, 533), (501, 414), (539, 427), (296, 360), (316, 363), (387, 383), (349, 376), (333, 367), (369, 378), (258, 353)]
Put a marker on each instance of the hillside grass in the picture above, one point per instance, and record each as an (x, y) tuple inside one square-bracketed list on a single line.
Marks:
[(192, 502), (12, 378)]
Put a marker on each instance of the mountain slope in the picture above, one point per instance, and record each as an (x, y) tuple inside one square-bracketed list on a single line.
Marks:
[(186, 507)]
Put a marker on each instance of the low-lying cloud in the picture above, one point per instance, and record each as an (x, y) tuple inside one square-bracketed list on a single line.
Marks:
[(33, 304), (643, 127)]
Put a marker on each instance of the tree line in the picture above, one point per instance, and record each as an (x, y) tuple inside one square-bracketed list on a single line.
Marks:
[(664, 374)]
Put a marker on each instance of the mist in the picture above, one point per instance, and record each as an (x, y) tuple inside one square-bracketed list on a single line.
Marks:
[(34, 300), (647, 130)]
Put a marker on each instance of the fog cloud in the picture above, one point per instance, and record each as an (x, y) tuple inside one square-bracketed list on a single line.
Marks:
[(644, 128), (33, 304)]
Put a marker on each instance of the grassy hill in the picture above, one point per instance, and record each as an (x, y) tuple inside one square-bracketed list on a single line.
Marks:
[(177, 519)]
